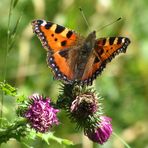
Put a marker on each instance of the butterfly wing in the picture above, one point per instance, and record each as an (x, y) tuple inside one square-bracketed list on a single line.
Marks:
[(63, 64), (53, 36), (59, 43), (105, 50)]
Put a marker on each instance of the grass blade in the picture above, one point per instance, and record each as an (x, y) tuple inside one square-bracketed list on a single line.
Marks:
[(13, 34), (15, 3)]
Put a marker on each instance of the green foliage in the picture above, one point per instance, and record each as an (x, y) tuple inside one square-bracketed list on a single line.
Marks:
[(8, 89), (15, 3), (19, 129), (51, 136), (16, 130), (13, 34)]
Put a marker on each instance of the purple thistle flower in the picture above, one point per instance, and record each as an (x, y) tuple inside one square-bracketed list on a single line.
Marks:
[(40, 114), (102, 133)]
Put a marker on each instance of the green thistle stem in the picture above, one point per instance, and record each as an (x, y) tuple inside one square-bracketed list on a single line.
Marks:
[(121, 140)]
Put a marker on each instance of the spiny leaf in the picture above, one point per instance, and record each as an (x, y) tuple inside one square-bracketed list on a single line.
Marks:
[(50, 136), (21, 98), (8, 89), (15, 130), (67, 142)]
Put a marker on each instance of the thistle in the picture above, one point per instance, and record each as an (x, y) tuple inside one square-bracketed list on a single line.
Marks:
[(101, 133), (40, 114), (82, 104)]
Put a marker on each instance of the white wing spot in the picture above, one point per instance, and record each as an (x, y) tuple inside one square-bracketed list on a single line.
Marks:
[(123, 40), (44, 23)]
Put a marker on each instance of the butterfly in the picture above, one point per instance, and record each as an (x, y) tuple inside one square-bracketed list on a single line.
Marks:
[(74, 58)]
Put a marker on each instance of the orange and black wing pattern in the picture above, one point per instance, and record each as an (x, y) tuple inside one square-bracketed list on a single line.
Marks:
[(58, 62), (57, 40), (63, 47), (104, 51), (53, 36)]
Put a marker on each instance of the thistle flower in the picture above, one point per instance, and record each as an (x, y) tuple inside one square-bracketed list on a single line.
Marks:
[(84, 105), (40, 114), (102, 133)]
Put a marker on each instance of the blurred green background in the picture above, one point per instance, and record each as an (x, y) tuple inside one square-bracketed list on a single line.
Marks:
[(123, 84)]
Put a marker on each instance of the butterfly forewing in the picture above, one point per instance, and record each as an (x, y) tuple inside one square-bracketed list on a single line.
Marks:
[(53, 36), (108, 48)]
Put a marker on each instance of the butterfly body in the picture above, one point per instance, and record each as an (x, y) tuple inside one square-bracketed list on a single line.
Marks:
[(74, 58)]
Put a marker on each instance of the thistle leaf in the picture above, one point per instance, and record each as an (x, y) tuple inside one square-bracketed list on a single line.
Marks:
[(8, 89)]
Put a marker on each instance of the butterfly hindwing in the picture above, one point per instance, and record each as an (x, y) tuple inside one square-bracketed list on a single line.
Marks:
[(63, 70)]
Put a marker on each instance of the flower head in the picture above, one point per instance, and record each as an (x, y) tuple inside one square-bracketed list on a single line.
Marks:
[(84, 105), (40, 114), (102, 133)]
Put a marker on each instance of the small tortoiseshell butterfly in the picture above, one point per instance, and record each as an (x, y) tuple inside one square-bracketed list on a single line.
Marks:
[(74, 58)]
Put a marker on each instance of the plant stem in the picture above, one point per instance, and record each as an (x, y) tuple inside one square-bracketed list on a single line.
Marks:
[(6, 55), (121, 140)]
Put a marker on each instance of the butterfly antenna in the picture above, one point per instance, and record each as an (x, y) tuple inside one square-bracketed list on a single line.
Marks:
[(109, 24), (84, 18)]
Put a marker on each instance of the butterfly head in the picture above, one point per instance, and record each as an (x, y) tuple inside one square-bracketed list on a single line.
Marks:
[(90, 41), (91, 36)]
